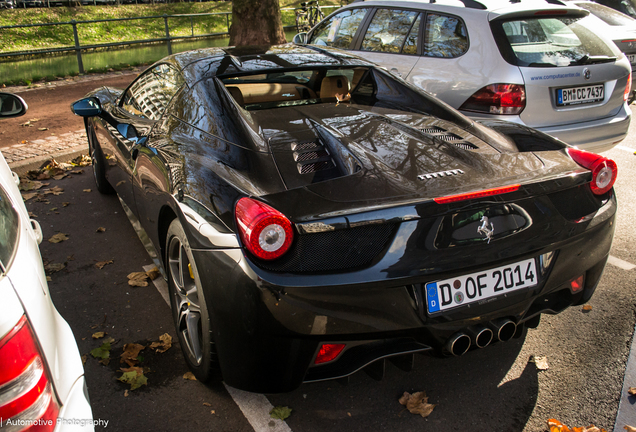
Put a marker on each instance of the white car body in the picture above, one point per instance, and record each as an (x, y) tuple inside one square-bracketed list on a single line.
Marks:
[(24, 293)]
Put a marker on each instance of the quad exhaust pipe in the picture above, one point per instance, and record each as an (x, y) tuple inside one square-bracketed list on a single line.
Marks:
[(481, 336)]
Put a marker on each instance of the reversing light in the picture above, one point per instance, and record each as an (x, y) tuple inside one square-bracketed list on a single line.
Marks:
[(265, 231), (25, 388), (628, 88), (604, 170), (478, 194), (577, 284), (328, 352), (504, 99)]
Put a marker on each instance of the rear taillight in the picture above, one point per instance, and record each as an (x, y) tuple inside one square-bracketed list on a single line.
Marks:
[(604, 170), (505, 99), (628, 88), (265, 231), (26, 395), (328, 352)]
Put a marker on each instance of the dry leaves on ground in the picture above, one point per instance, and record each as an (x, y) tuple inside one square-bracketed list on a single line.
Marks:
[(100, 230), (98, 335), (153, 273), (190, 376), (417, 403), (630, 428), (133, 376), (632, 391), (556, 426), (101, 264), (164, 344), (138, 279), (541, 362), (54, 267), (131, 354), (280, 412), (59, 237)]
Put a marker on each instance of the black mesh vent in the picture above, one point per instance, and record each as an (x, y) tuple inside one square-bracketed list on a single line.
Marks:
[(465, 145), (304, 146), (433, 130), (311, 155), (449, 137), (333, 250), (314, 166)]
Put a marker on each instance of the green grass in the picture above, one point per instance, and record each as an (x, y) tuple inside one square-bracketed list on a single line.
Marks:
[(28, 38)]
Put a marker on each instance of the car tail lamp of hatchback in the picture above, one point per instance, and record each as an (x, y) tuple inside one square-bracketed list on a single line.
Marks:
[(27, 401), (628, 88), (504, 99), (604, 170), (265, 231)]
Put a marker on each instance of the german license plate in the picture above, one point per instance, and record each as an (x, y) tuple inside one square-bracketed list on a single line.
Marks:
[(479, 286), (580, 95)]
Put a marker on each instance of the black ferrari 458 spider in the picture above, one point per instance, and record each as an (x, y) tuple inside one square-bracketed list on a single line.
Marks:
[(315, 215)]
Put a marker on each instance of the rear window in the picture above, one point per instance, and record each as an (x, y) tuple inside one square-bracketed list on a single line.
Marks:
[(550, 42)]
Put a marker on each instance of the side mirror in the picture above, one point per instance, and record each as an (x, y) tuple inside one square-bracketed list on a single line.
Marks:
[(88, 107), (12, 105), (300, 39)]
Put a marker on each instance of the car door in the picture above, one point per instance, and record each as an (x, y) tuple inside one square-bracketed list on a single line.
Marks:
[(139, 108), (391, 39), (150, 165)]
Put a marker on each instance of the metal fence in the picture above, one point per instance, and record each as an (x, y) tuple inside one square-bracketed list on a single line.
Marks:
[(78, 47)]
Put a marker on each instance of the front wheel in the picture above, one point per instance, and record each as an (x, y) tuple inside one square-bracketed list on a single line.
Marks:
[(189, 310), (99, 164)]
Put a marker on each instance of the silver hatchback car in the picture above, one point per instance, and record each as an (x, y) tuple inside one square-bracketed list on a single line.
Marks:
[(532, 62)]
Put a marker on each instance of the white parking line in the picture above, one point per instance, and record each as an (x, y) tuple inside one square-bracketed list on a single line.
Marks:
[(255, 406), (620, 263), (620, 147)]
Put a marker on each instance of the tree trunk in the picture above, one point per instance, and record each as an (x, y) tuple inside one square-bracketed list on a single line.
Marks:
[(256, 22)]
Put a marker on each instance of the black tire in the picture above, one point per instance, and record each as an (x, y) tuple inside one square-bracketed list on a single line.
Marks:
[(99, 162), (189, 310)]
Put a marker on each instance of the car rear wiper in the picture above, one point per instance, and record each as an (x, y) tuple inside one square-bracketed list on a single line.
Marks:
[(588, 59), (539, 64)]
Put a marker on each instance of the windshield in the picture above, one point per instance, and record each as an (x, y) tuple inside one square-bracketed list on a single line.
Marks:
[(551, 42)]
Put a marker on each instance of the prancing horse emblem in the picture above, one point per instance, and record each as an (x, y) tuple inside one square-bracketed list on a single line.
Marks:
[(486, 228)]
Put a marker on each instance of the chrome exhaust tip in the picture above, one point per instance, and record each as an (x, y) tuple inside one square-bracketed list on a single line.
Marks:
[(458, 344), (504, 329), (480, 336)]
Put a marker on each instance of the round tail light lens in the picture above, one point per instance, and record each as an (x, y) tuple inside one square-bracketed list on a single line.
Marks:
[(265, 231), (604, 170)]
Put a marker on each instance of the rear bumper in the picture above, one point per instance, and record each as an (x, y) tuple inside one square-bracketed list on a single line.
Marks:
[(269, 327), (595, 136)]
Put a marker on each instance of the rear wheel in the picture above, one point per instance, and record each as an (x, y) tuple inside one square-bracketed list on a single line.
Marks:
[(189, 310), (99, 162)]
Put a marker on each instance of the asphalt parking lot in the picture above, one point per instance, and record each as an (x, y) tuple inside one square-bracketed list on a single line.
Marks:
[(495, 389)]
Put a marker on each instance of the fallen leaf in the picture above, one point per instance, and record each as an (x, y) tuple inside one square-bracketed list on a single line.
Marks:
[(541, 362), (164, 344), (84, 358), (59, 176), (130, 354), (82, 161), (212, 412), (587, 308), (100, 229), (417, 403), (54, 267), (28, 196), (53, 209), (153, 273), (126, 393), (70, 258), (43, 129), (48, 279), (133, 376), (59, 237), (205, 403), (630, 428), (100, 265), (56, 190), (190, 376), (102, 352), (138, 279), (87, 190), (66, 204), (632, 391), (280, 412), (98, 335)]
